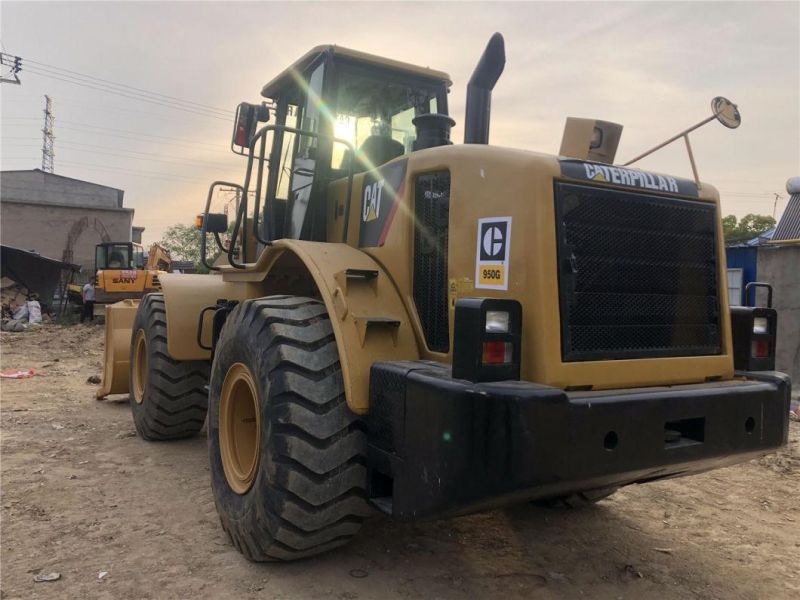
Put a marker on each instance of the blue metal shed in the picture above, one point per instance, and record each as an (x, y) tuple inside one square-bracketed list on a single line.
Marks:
[(746, 259)]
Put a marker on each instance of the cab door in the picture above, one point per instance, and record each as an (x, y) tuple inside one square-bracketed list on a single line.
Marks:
[(310, 162)]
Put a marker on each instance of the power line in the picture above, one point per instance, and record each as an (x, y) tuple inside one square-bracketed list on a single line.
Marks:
[(48, 70), (94, 166), (157, 155), (126, 86), (87, 128), (129, 154), (129, 171), (132, 95), (160, 137), (111, 107), (15, 66), (126, 153)]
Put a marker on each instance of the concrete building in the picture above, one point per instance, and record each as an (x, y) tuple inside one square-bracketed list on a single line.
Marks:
[(774, 258), (136, 235), (60, 217)]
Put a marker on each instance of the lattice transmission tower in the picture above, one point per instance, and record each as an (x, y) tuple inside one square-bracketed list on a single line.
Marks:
[(48, 139)]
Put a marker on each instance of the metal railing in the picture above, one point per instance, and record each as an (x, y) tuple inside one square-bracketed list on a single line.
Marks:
[(241, 213)]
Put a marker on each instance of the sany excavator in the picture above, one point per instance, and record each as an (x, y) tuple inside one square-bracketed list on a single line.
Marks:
[(425, 329), (123, 272)]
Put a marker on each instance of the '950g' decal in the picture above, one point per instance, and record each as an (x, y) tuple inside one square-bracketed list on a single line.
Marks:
[(492, 251)]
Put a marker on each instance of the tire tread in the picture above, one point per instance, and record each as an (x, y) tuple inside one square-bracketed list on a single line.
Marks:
[(316, 498), (175, 397)]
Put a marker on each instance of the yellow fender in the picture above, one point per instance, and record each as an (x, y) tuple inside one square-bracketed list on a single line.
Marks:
[(119, 322), (369, 319), (185, 296), (367, 314)]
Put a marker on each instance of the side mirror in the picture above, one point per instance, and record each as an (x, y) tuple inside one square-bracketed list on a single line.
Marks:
[(215, 222), (247, 119), (726, 112)]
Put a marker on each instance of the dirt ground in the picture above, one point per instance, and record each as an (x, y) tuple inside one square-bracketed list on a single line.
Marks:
[(81, 495)]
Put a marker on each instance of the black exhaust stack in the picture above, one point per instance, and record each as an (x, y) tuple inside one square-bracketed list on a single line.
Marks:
[(479, 91)]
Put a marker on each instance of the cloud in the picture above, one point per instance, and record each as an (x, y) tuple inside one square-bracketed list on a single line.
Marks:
[(653, 67)]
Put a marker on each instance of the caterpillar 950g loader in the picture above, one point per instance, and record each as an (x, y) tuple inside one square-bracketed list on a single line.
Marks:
[(426, 329)]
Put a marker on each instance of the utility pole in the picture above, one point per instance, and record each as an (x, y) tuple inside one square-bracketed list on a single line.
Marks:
[(775, 204), (228, 190), (14, 64), (48, 139)]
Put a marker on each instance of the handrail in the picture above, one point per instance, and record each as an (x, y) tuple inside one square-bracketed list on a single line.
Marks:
[(757, 284), (204, 227), (241, 213)]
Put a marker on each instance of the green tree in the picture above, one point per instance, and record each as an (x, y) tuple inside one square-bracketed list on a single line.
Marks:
[(729, 224), (748, 227), (183, 243)]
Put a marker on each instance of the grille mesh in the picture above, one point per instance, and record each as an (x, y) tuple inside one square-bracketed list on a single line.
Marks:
[(637, 275), (432, 212)]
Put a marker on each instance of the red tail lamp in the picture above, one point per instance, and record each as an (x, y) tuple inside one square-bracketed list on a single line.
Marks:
[(760, 349), (754, 330), (487, 339), (497, 353)]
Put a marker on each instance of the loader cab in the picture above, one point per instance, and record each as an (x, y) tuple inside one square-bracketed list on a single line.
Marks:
[(119, 255), (334, 113)]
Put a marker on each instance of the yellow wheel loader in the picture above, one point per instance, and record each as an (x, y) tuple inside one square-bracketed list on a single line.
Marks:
[(423, 329)]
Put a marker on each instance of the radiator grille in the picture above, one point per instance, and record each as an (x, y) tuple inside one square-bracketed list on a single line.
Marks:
[(637, 275), (432, 213)]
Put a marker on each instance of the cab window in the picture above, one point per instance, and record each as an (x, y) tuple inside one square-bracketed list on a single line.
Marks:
[(286, 154), (117, 256), (100, 261), (305, 155), (138, 257), (375, 115)]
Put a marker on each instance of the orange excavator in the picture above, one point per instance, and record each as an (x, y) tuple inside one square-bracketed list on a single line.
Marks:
[(123, 271)]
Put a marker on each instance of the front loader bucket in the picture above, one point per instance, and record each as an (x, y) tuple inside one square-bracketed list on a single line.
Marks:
[(119, 323)]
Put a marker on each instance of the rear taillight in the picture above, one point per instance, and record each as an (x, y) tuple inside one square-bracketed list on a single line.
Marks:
[(754, 330), (487, 339), (241, 135), (760, 349), (497, 353)]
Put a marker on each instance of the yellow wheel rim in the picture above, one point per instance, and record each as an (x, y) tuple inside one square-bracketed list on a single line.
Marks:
[(139, 366), (239, 428)]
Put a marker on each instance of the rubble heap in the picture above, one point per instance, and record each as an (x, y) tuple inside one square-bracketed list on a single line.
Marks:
[(13, 296)]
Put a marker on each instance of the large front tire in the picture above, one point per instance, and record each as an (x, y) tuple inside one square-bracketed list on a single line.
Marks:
[(168, 396), (287, 455)]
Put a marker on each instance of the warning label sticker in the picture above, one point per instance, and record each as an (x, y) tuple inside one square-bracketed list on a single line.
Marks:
[(492, 251)]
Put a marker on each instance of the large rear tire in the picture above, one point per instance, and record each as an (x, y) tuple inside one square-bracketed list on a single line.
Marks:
[(168, 397), (287, 455)]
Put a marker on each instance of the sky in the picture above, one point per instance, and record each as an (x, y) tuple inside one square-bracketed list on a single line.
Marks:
[(651, 66)]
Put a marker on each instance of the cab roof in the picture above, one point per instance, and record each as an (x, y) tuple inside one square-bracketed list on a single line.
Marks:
[(299, 65)]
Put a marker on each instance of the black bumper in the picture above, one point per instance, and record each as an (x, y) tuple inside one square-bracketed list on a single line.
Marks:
[(443, 446)]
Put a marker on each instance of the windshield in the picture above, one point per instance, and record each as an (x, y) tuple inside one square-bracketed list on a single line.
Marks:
[(375, 115), (113, 256)]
